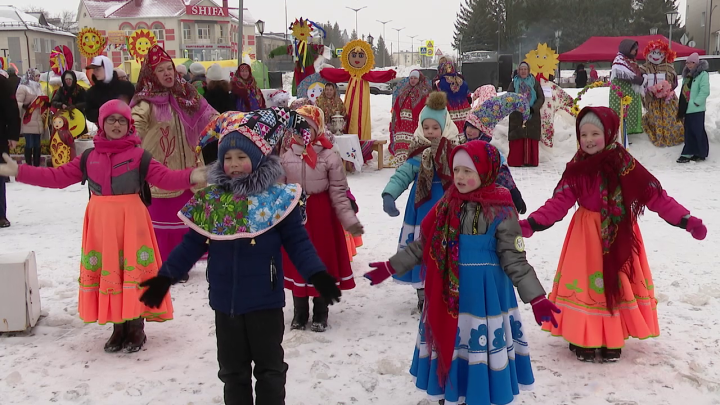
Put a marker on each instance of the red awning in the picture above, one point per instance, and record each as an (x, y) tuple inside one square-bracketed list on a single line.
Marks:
[(604, 49)]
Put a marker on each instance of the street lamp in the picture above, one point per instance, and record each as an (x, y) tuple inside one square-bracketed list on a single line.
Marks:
[(398, 43), (384, 38), (260, 25), (672, 18), (558, 34), (370, 39), (653, 31), (412, 48), (356, 11)]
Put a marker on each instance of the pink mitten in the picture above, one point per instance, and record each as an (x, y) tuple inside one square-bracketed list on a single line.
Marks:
[(382, 271), (696, 228), (543, 310), (526, 228)]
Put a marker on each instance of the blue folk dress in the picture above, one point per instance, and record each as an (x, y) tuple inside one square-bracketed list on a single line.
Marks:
[(491, 361)]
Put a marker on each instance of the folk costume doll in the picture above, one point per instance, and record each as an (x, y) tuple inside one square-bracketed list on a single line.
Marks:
[(456, 88), (169, 115), (661, 103), (558, 101), (626, 74), (410, 99), (248, 96), (62, 144), (357, 62)]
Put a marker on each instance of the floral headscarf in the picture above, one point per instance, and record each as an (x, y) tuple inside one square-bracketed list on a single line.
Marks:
[(245, 89), (416, 93)]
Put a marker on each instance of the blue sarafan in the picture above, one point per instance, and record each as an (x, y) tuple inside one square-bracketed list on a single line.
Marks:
[(497, 108)]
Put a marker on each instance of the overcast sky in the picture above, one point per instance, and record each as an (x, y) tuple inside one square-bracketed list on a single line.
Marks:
[(428, 19)]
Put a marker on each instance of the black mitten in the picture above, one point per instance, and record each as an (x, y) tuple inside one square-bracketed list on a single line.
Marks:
[(518, 201), (537, 227), (157, 289), (324, 283)]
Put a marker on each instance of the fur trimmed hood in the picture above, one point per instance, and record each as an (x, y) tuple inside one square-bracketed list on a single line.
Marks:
[(261, 179), (702, 66)]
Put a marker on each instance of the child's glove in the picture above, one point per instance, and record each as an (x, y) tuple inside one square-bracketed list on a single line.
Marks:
[(518, 201), (199, 175), (10, 168), (356, 229), (526, 229), (158, 287), (389, 205), (696, 228), (325, 284), (543, 310), (382, 271)]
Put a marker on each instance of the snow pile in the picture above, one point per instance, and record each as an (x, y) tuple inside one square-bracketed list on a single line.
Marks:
[(364, 357)]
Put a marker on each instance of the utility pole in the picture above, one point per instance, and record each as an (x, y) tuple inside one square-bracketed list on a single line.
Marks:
[(356, 12), (412, 48), (398, 31), (241, 29), (384, 38)]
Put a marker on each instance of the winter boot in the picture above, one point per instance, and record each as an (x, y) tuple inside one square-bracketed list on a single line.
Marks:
[(301, 313), (115, 343), (135, 335), (320, 315), (585, 354), (421, 298), (610, 355)]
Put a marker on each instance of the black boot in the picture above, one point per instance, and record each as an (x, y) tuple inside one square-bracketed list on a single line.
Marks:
[(320, 315), (135, 335), (421, 298), (585, 354), (115, 343), (301, 312), (610, 355)]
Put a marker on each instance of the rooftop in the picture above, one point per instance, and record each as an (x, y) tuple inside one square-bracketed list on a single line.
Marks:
[(14, 19), (101, 9)]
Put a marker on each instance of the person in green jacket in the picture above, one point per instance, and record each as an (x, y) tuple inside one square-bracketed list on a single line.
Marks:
[(694, 94)]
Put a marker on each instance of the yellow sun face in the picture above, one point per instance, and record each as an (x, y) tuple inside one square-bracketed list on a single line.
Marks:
[(301, 30), (140, 43), (90, 42), (357, 57), (542, 60)]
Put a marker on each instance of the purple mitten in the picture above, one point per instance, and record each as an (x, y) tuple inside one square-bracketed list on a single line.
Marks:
[(382, 271), (543, 310), (526, 228), (696, 228)]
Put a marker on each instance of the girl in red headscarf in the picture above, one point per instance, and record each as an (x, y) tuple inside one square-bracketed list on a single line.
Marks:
[(603, 281), (248, 96), (471, 347), (318, 169), (169, 115)]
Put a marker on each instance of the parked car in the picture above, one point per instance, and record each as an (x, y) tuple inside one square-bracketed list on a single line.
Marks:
[(375, 88)]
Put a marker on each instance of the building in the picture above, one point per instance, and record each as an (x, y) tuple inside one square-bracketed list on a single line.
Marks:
[(199, 29), (696, 27), (266, 43), (27, 40)]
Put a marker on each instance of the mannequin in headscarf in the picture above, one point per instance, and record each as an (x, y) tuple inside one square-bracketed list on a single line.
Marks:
[(169, 116), (626, 74), (406, 115), (106, 86)]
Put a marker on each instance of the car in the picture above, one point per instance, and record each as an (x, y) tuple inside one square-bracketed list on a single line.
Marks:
[(375, 88)]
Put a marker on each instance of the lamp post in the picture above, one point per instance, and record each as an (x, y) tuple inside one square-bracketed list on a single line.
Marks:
[(558, 34), (356, 11), (672, 18), (370, 39), (384, 38), (412, 48), (260, 53), (653, 31), (398, 42)]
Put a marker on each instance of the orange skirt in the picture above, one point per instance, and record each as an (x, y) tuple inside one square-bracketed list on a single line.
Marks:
[(578, 291), (119, 251), (352, 242)]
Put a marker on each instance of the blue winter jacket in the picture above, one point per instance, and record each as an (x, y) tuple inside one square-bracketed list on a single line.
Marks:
[(244, 277)]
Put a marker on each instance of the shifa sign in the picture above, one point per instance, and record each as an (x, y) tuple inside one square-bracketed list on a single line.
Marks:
[(206, 11)]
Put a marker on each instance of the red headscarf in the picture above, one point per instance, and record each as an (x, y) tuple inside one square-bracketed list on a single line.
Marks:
[(625, 188), (245, 88), (441, 234)]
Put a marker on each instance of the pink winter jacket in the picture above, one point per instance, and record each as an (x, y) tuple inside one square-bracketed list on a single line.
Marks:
[(328, 175), (563, 199), (120, 178)]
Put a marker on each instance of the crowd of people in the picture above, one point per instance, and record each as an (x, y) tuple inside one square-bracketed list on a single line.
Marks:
[(270, 209)]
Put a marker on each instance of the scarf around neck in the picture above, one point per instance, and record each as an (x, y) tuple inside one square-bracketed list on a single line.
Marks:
[(441, 232), (526, 87), (247, 88)]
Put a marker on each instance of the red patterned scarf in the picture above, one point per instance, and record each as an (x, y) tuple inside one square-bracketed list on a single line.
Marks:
[(625, 188), (41, 102), (246, 88), (441, 233)]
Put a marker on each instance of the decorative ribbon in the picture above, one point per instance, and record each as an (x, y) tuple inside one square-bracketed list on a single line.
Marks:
[(42, 102)]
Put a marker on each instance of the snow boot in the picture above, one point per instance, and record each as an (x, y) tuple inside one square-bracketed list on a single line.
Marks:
[(610, 355), (301, 311), (135, 335), (421, 298), (115, 343), (585, 354), (320, 315)]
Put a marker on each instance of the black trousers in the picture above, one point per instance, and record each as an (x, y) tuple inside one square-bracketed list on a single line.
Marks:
[(696, 139), (255, 337)]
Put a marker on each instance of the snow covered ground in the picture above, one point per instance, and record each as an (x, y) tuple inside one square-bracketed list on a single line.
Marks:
[(364, 357)]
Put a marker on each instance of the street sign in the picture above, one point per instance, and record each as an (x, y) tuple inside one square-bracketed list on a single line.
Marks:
[(691, 44), (430, 52), (338, 52), (430, 43), (423, 51), (684, 39), (438, 52)]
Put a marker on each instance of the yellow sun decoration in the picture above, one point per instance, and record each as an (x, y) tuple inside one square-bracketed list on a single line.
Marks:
[(542, 60), (301, 30), (90, 42), (357, 45), (140, 43)]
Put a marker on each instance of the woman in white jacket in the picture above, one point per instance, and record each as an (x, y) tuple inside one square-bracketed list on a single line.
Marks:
[(32, 103)]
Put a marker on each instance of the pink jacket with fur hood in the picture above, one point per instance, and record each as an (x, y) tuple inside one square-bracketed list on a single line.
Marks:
[(328, 175)]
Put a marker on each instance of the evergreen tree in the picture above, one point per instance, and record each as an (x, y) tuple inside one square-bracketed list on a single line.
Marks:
[(652, 14), (381, 50), (345, 37), (353, 36), (337, 36)]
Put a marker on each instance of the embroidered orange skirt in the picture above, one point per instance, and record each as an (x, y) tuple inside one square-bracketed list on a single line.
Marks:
[(119, 251), (578, 290)]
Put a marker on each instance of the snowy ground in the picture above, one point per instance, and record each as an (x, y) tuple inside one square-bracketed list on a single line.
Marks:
[(364, 357)]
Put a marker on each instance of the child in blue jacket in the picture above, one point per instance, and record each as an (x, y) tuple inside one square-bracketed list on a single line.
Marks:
[(242, 221)]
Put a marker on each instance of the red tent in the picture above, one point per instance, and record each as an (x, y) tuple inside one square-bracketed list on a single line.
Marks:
[(604, 49)]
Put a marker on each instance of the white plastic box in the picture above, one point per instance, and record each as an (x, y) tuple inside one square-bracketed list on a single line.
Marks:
[(19, 292)]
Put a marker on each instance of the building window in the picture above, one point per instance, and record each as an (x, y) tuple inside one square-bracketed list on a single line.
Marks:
[(203, 31), (159, 32), (37, 45), (221, 39), (126, 56), (48, 46), (142, 26), (128, 29), (187, 32)]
